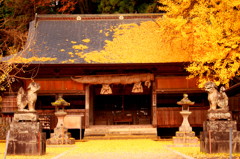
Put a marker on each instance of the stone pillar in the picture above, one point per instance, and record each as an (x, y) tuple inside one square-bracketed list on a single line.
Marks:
[(185, 124), (26, 137)]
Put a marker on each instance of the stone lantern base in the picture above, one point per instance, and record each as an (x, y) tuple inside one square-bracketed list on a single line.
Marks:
[(185, 138), (60, 135)]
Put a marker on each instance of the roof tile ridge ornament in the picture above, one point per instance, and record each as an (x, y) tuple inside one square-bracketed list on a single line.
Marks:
[(121, 17), (79, 18)]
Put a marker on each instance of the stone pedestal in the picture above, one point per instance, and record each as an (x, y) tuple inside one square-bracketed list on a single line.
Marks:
[(185, 127), (60, 135), (26, 137), (215, 137), (218, 115), (185, 135), (185, 138)]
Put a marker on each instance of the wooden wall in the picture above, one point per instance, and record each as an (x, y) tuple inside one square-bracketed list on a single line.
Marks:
[(58, 86), (234, 103), (175, 83), (9, 104), (171, 117)]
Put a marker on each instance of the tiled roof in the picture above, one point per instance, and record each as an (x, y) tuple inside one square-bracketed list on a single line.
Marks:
[(53, 36)]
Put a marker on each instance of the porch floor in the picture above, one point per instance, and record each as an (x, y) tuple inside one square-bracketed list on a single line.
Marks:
[(120, 132)]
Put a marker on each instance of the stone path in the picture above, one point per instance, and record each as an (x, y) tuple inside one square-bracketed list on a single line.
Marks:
[(98, 153)]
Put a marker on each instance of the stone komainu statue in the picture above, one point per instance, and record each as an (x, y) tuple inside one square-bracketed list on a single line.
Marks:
[(216, 98), (28, 97)]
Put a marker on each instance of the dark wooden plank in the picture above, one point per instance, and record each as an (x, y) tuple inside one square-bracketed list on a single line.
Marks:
[(171, 117)]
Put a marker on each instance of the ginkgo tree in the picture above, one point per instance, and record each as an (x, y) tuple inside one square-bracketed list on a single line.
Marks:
[(215, 28)]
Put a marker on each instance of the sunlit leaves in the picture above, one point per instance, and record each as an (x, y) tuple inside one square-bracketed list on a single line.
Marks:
[(137, 148), (216, 32)]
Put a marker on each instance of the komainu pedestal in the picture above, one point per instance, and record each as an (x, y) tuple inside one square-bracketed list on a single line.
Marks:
[(215, 137), (26, 137)]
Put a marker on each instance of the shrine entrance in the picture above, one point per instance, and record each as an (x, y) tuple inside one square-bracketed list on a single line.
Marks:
[(122, 107), (115, 99)]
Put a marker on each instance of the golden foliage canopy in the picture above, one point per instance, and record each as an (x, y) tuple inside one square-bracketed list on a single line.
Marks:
[(216, 32)]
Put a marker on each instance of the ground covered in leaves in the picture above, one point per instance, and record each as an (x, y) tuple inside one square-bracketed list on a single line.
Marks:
[(120, 149)]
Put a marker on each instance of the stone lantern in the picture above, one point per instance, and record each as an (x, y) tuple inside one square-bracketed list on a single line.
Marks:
[(60, 135), (185, 103), (59, 104), (185, 135)]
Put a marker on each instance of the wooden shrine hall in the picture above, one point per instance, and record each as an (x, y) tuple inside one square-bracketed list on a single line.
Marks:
[(108, 97)]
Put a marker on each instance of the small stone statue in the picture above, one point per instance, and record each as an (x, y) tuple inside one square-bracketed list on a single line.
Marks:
[(27, 98), (216, 98)]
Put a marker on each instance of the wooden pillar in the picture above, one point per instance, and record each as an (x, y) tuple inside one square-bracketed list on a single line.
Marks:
[(87, 105), (154, 105), (91, 94)]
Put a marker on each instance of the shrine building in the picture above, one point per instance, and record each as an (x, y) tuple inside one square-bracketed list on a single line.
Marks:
[(108, 96)]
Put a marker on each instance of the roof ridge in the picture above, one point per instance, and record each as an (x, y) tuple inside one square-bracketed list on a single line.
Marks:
[(96, 16)]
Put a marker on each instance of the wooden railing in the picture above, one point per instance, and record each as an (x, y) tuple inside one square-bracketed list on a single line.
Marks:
[(170, 116), (49, 120)]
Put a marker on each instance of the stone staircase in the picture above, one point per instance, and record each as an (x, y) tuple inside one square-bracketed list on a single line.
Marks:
[(101, 132)]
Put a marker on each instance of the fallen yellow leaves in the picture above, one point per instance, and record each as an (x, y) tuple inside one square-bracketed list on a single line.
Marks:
[(95, 148), (195, 153), (80, 47), (73, 42), (86, 40), (29, 60), (133, 43), (120, 146)]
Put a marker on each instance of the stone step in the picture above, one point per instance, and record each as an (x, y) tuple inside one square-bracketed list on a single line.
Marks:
[(120, 131), (119, 137)]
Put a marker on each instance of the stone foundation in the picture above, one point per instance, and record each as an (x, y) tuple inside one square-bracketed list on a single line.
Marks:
[(26, 137), (186, 138), (60, 136), (215, 137)]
